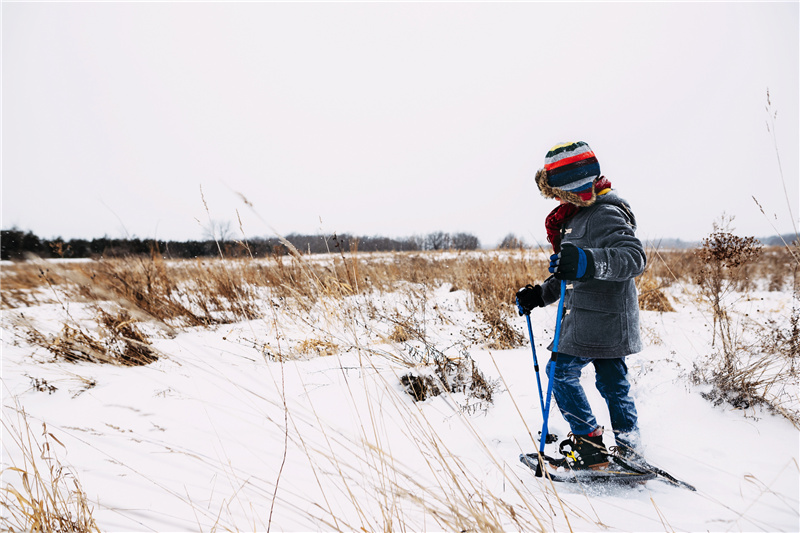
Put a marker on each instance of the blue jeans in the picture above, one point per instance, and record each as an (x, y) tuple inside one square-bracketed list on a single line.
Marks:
[(612, 382)]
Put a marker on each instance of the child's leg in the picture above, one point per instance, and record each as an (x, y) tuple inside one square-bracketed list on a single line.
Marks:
[(569, 394), (612, 382)]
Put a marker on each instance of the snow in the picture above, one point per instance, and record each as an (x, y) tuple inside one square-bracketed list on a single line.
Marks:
[(238, 427)]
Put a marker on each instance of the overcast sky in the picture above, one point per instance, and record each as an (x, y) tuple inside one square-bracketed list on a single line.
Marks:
[(392, 118)]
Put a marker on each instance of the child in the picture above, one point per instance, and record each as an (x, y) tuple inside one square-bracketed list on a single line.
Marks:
[(592, 234)]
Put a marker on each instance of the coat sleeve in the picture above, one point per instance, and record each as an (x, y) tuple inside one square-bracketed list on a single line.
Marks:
[(618, 254), (551, 290)]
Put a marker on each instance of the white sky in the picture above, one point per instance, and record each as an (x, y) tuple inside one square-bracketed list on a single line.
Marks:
[(391, 118)]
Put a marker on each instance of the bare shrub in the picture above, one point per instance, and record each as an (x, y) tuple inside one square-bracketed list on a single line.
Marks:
[(722, 259), (741, 374)]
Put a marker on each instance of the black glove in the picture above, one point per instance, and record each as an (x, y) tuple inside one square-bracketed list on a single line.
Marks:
[(529, 297), (572, 263)]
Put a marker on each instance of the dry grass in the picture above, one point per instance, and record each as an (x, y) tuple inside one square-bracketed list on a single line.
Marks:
[(774, 270), (670, 266), (493, 283), (206, 293), (400, 333), (778, 267), (127, 293), (39, 493), (169, 296), (651, 294), (318, 347), (191, 293), (116, 340), (742, 373), (29, 283)]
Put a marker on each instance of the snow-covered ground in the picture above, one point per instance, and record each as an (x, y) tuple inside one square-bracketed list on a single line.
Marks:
[(249, 427)]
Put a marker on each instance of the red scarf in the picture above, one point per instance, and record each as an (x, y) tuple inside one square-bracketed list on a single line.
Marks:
[(561, 214)]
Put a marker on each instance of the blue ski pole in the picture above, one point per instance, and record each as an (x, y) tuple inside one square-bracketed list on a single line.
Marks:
[(550, 376), (533, 349)]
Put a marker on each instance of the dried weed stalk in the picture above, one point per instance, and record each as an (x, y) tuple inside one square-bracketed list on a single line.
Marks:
[(40, 494), (743, 375), (722, 260)]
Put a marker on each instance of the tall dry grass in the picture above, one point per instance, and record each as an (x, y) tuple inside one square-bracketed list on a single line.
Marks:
[(206, 293), (130, 295), (40, 494)]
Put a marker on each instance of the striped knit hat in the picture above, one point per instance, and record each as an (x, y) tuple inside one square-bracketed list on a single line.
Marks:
[(569, 173)]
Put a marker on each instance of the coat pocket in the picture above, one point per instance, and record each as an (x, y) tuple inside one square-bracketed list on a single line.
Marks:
[(597, 319)]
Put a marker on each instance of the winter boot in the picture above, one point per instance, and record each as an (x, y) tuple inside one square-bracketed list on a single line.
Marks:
[(628, 448), (583, 452)]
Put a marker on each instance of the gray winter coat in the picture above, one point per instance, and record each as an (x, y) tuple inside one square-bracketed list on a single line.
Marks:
[(601, 315)]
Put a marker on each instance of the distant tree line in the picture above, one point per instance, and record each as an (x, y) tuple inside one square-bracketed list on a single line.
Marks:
[(512, 242), (16, 244)]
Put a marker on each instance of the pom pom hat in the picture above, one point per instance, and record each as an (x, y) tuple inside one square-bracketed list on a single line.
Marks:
[(570, 172)]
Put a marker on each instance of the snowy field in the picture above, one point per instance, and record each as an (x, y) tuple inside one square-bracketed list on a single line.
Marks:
[(297, 421)]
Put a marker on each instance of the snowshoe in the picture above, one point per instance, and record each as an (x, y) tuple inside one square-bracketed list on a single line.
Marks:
[(608, 474), (585, 460)]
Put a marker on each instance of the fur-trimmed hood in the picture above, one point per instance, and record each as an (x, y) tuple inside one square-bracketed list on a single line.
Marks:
[(552, 192)]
